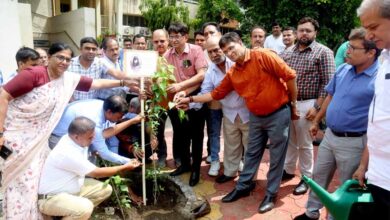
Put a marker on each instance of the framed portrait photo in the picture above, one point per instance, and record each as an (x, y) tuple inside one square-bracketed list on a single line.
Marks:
[(140, 63)]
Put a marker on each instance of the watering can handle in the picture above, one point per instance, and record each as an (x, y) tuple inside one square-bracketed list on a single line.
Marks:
[(352, 182)]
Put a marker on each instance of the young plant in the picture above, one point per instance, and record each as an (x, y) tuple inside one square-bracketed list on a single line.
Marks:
[(154, 109)]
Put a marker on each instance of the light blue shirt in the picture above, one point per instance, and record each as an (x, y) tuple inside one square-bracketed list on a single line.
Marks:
[(351, 97), (232, 104), (92, 109)]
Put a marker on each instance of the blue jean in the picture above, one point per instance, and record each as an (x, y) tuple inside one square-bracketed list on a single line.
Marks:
[(275, 127), (214, 118)]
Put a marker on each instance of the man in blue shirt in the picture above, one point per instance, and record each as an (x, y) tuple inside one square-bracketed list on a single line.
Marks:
[(346, 106), (103, 113)]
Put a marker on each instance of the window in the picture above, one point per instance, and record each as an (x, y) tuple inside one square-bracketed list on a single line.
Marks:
[(134, 20)]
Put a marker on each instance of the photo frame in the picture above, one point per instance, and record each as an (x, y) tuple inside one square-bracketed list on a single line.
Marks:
[(140, 63)]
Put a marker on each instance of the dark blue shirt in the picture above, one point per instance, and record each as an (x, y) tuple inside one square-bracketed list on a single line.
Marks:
[(351, 97)]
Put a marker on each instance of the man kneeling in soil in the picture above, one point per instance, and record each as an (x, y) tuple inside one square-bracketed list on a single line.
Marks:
[(63, 188)]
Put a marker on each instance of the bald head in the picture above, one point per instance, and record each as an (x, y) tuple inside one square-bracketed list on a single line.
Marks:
[(214, 51), (160, 41)]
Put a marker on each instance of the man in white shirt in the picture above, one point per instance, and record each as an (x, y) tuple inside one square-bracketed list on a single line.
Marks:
[(235, 114), (63, 188), (375, 18), (275, 40)]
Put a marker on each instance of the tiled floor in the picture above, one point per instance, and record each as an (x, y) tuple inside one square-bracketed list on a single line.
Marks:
[(287, 207)]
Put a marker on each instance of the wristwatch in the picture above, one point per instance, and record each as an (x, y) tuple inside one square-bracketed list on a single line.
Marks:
[(1, 134), (317, 106)]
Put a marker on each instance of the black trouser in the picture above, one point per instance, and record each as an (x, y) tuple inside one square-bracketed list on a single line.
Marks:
[(186, 133), (162, 144), (382, 202)]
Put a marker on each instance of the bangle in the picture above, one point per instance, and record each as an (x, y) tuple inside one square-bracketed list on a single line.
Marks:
[(121, 83), (191, 99)]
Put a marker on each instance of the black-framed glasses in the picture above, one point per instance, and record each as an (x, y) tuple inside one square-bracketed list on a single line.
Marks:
[(175, 37), (350, 47), (62, 58)]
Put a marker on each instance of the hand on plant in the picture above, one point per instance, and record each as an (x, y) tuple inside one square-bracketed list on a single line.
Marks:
[(132, 84), (145, 94), (153, 142), (174, 88), (137, 119), (179, 96), (138, 153), (132, 164)]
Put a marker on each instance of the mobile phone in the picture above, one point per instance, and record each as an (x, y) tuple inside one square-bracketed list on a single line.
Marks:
[(5, 152)]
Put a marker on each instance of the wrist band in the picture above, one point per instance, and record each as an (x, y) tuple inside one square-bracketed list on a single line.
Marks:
[(191, 99), (121, 83)]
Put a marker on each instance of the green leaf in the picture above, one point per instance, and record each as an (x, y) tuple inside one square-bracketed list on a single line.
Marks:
[(124, 188)]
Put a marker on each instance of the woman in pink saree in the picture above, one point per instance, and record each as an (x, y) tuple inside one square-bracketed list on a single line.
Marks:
[(31, 105)]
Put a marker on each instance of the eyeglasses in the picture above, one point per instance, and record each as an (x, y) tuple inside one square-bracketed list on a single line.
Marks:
[(62, 58), (350, 47), (176, 37), (159, 41)]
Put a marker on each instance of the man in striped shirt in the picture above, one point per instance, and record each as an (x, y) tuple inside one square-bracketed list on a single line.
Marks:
[(314, 65)]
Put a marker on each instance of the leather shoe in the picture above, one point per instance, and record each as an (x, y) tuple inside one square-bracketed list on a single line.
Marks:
[(267, 204), (301, 188), (304, 217), (180, 170), (223, 178), (236, 194), (194, 178), (286, 176)]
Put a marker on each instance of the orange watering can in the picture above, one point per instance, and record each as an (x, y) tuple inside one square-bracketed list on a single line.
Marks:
[(341, 203)]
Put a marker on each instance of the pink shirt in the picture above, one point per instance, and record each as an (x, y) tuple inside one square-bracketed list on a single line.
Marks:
[(187, 63)]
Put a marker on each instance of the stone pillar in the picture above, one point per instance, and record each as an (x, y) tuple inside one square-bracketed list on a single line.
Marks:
[(119, 16), (98, 19), (74, 4)]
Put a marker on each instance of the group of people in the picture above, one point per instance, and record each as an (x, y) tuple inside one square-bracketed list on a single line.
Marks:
[(273, 95)]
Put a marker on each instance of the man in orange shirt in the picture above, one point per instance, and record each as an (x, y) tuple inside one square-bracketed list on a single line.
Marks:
[(261, 78)]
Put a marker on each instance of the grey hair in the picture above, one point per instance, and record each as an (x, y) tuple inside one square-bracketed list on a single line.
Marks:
[(135, 103), (383, 5), (81, 125)]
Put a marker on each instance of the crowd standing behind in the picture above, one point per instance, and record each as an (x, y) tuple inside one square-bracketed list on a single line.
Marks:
[(277, 92)]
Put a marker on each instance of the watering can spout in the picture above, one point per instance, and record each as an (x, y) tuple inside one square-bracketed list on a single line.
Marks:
[(325, 197)]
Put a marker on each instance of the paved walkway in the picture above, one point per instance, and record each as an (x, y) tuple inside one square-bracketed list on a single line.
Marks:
[(287, 207)]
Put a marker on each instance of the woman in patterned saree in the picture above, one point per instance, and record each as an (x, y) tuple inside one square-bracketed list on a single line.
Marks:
[(30, 107)]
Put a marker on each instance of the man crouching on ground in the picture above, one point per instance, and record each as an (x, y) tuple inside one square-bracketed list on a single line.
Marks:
[(63, 188)]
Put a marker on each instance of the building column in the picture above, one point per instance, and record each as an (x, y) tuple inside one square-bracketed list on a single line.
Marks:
[(119, 16), (74, 4), (98, 19)]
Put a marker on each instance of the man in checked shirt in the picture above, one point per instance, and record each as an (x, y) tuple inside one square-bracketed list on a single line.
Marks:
[(314, 65)]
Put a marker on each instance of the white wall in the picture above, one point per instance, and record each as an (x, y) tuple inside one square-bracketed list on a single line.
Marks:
[(25, 22), (10, 37), (70, 27)]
